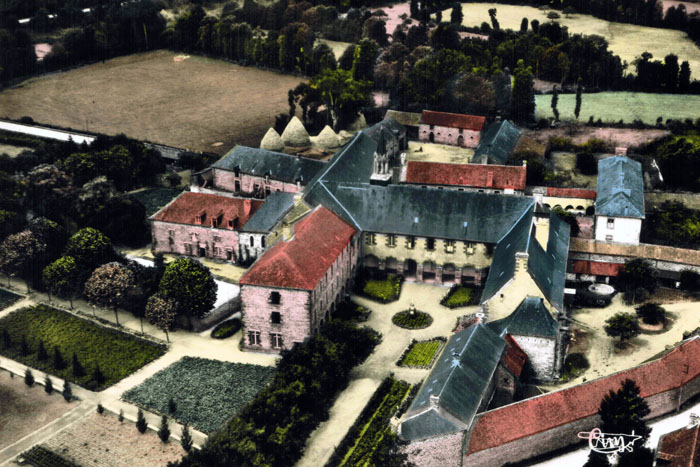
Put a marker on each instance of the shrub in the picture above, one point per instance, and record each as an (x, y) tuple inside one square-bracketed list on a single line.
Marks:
[(48, 385), (121, 416), (350, 311), (459, 296), (186, 438), (419, 319), (141, 423), (100, 408), (172, 406), (651, 313), (690, 280), (382, 290), (28, 377), (76, 367), (41, 354), (97, 376), (164, 431), (586, 163), (67, 391), (58, 362), (226, 329)]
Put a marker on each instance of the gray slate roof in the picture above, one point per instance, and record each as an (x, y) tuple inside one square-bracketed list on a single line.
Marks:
[(459, 380), (279, 166), (531, 318), (547, 267), (497, 144), (620, 188), (276, 205)]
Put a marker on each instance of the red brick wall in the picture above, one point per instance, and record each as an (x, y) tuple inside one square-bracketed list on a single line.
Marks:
[(295, 325), (446, 135), (171, 238), (225, 180)]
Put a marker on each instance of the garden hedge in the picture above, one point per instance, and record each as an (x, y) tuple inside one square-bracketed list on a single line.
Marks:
[(226, 329)]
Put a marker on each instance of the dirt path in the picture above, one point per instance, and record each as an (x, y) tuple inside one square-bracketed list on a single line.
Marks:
[(367, 377)]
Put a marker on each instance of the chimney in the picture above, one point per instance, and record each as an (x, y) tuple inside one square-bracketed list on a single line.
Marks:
[(434, 400), (694, 420), (489, 179), (521, 262)]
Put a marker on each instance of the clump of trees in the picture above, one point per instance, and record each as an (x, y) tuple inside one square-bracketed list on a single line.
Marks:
[(637, 280), (673, 224)]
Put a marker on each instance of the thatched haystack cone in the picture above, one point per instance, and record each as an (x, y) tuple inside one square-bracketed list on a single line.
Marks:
[(272, 141), (327, 139), (295, 135)]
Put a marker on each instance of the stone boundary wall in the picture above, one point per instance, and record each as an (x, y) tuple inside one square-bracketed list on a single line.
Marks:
[(579, 248)]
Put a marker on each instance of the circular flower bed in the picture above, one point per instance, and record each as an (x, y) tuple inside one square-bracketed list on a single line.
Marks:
[(226, 329), (412, 320)]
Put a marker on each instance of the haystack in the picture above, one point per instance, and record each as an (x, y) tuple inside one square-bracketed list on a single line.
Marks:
[(272, 141), (295, 134), (327, 139)]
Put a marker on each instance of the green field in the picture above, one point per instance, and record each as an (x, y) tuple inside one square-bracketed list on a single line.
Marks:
[(421, 353), (626, 40), (627, 106), (118, 354)]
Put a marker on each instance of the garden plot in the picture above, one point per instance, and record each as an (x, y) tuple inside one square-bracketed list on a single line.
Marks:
[(626, 106), (626, 40), (207, 393), (8, 298), (421, 354), (118, 354)]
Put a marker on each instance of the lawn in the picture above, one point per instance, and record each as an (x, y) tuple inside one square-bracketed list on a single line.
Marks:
[(191, 104), (372, 428), (7, 298), (459, 296), (421, 354), (627, 106), (626, 40), (154, 198), (118, 354), (383, 290), (207, 393)]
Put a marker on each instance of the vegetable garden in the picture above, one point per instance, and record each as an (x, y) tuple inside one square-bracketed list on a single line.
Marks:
[(421, 354)]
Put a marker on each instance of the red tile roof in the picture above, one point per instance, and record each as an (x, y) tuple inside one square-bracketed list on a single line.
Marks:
[(188, 206), (468, 122), (680, 448), (571, 192), (597, 269), (515, 356), (300, 263), (535, 415), (471, 175)]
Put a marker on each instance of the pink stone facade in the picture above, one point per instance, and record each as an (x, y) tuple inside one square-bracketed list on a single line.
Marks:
[(244, 184), (446, 135), (194, 240), (299, 312)]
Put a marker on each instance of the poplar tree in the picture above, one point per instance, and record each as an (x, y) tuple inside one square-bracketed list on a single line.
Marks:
[(555, 100), (579, 92)]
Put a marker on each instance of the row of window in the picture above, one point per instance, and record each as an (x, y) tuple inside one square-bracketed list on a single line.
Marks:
[(254, 339), (450, 245)]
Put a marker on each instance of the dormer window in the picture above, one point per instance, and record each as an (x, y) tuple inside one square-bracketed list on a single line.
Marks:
[(233, 223), (218, 219), (237, 171), (200, 218)]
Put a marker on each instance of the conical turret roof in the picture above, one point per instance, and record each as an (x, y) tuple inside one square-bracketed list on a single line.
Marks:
[(295, 134), (327, 139), (272, 141)]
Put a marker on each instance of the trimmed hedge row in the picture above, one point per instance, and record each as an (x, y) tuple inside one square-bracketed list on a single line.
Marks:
[(39, 456), (273, 429), (370, 429), (116, 353), (226, 329), (459, 296)]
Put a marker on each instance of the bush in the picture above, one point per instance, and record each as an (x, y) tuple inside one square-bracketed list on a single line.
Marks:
[(419, 320), (28, 377), (121, 416), (651, 313), (116, 353), (141, 423), (67, 391), (459, 296), (164, 430), (186, 438), (172, 406), (350, 311), (100, 408), (690, 280), (586, 163), (48, 385), (226, 329)]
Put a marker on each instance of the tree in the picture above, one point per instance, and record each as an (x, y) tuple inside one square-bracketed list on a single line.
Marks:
[(191, 285), (23, 347), (6, 339), (623, 325), (49, 233), (58, 362), (48, 384), (596, 459), (684, 77), (90, 248), (50, 192), (186, 438), (555, 101), (141, 423), (457, 15), (343, 95), (364, 59), (97, 376), (552, 15), (623, 411), (375, 29), (164, 431), (28, 377), (473, 94), (523, 26), (637, 273), (414, 9), (21, 254), (523, 95), (172, 407), (586, 162), (108, 286), (161, 312), (62, 278), (535, 25), (568, 11), (494, 21), (67, 391), (671, 70), (41, 354), (76, 367), (579, 94), (100, 408), (690, 280), (651, 313), (121, 415)]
